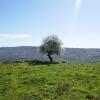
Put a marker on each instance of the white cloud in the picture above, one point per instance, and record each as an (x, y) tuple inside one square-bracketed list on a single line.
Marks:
[(17, 36)]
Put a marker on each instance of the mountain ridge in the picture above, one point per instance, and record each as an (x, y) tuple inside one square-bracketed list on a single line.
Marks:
[(87, 55)]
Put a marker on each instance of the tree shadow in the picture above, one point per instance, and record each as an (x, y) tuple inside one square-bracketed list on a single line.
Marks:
[(38, 62), (31, 62)]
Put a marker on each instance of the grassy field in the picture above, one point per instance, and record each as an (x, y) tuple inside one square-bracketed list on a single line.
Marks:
[(30, 81)]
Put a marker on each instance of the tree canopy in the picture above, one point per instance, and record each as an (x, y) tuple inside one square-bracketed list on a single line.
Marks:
[(51, 45)]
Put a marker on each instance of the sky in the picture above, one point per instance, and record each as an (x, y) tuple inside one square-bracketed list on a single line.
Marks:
[(27, 22)]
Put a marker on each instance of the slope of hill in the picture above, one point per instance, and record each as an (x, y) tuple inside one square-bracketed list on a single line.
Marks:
[(31, 53), (25, 81)]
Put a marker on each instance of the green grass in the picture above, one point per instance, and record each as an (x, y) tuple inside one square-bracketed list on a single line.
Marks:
[(25, 81)]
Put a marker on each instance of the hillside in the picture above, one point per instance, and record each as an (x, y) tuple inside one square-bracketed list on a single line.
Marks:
[(31, 53), (30, 81)]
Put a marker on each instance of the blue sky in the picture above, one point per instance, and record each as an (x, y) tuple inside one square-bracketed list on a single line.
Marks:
[(27, 22)]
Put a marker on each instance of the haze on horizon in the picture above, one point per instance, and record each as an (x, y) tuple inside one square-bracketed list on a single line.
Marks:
[(27, 22)]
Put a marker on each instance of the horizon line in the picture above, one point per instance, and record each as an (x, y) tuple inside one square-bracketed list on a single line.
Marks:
[(38, 46)]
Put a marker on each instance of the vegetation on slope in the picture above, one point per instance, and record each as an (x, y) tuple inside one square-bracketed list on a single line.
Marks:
[(31, 53), (31, 81)]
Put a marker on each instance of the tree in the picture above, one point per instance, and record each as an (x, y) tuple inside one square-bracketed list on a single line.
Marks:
[(51, 45)]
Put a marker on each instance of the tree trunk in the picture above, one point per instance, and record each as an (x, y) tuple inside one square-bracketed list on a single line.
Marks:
[(50, 58)]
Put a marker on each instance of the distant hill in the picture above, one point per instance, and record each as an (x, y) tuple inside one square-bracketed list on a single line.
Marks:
[(31, 53)]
